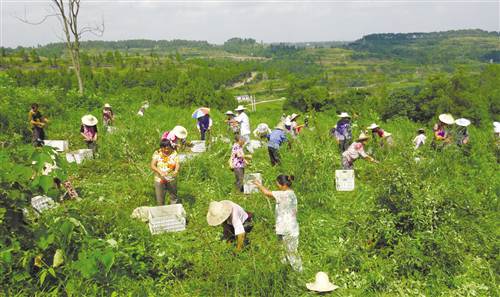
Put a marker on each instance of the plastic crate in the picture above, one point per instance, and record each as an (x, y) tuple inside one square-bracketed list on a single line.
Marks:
[(167, 218), (42, 203), (185, 157), (248, 186), (255, 144), (58, 145), (198, 146), (344, 180), (79, 156)]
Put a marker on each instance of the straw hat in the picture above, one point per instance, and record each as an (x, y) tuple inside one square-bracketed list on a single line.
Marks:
[(240, 108), (89, 120), (446, 118), (180, 132), (462, 122), (344, 115), (218, 212), (107, 105), (280, 126), (229, 112), (421, 130), (294, 116), (362, 136), (321, 283), (372, 126)]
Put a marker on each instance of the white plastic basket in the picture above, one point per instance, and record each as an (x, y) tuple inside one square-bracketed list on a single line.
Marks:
[(42, 203), (248, 186), (167, 218), (58, 145), (198, 146), (255, 144), (79, 155), (185, 157), (344, 180)]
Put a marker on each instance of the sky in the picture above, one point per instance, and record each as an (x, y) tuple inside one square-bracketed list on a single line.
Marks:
[(264, 20)]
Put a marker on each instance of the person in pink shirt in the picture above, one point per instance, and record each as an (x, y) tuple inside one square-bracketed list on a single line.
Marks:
[(356, 150)]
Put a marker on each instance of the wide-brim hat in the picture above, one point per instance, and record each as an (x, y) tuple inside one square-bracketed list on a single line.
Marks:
[(372, 126), (240, 108), (462, 122), (294, 116), (107, 105), (362, 136), (218, 212), (421, 130), (281, 126), (89, 120), (321, 283), (229, 112), (180, 132), (446, 118), (344, 115)]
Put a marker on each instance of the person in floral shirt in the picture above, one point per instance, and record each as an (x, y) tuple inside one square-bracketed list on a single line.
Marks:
[(287, 227), (165, 164), (237, 162)]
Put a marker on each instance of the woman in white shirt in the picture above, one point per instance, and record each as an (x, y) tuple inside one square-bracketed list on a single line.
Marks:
[(287, 227)]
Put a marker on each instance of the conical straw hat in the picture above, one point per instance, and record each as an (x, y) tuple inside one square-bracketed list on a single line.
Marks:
[(218, 212), (89, 120)]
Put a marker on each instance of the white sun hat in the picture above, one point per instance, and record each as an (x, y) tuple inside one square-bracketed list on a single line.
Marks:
[(229, 112), (496, 126), (294, 116), (372, 126), (180, 132), (107, 105), (344, 115), (89, 120), (240, 108), (362, 136), (218, 212), (446, 118), (462, 122), (321, 283)]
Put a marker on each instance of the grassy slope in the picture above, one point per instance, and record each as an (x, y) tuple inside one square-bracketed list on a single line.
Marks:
[(335, 227)]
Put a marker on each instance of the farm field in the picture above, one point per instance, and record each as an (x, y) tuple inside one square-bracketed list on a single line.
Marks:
[(419, 223)]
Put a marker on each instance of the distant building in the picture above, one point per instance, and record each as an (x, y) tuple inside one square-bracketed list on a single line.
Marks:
[(244, 98)]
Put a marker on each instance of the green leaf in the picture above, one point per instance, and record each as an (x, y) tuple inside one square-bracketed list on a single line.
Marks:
[(46, 182), (107, 260), (52, 272), (43, 275), (44, 242), (58, 258)]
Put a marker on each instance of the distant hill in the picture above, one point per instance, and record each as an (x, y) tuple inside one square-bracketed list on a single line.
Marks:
[(436, 47)]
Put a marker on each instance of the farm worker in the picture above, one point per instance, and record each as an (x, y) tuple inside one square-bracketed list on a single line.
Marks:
[(37, 122), (244, 123), (238, 162), (356, 150), (176, 136), (496, 129), (321, 284), (276, 139), (461, 133), (262, 131), (294, 126), (88, 130), (107, 115), (420, 139), (343, 131), (287, 227), (165, 165), (379, 132), (235, 221), (441, 130), (231, 124), (204, 125)]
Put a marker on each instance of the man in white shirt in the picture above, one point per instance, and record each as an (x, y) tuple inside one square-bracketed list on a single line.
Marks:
[(244, 123)]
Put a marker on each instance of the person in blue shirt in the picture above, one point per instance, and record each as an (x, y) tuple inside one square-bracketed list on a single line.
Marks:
[(276, 139)]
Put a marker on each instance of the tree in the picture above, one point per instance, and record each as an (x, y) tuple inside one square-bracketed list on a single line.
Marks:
[(67, 14)]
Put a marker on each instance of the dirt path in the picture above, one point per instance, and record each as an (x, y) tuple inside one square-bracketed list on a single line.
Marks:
[(244, 82)]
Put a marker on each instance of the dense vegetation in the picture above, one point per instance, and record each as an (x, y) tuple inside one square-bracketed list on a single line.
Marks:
[(409, 229)]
